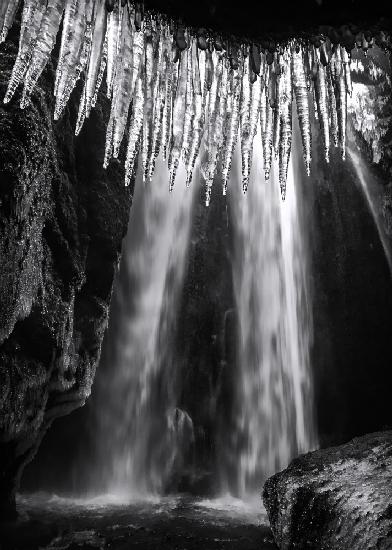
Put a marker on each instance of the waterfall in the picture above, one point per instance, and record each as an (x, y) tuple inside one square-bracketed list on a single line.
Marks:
[(145, 437), (273, 420), (140, 429)]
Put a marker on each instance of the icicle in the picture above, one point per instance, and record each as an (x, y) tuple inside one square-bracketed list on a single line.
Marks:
[(159, 104), (131, 48), (245, 132), (101, 72), (67, 38), (170, 85), (7, 15), (178, 119), (232, 131), (198, 119), (255, 108), (263, 112), (31, 21), (209, 70), (196, 82), (135, 130), (109, 142), (137, 58), (4, 6), (341, 102), (213, 124), (81, 117), (316, 113), (321, 90), (268, 139), (113, 44), (94, 61), (347, 70), (338, 78), (253, 121), (197, 134), (285, 125), (332, 108), (278, 107), (308, 65), (75, 46), (189, 109), (43, 46), (149, 81), (301, 98), (218, 129)]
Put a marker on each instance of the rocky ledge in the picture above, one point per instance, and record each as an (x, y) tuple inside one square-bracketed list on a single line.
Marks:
[(335, 498)]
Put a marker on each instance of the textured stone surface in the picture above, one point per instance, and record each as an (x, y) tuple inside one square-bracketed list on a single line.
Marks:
[(336, 498), (62, 220)]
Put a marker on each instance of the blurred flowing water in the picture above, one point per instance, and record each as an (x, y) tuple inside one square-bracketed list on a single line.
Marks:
[(140, 427), (273, 409)]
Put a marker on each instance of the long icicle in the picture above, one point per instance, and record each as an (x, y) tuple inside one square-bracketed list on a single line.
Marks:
[(301, 98), (75, 45), (286, 124), (321, 90), (43, 46)]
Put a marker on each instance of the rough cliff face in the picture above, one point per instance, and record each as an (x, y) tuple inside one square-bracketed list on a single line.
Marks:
[(336, 498), (62, 220)]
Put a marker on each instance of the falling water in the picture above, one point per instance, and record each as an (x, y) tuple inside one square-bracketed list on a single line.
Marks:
[(141, 429), (273, 419), (369, 188)]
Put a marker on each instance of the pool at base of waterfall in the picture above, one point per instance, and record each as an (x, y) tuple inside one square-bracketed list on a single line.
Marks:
[(50, 522)]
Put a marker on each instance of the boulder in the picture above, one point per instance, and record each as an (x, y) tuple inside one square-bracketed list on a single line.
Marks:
[(338, 498)]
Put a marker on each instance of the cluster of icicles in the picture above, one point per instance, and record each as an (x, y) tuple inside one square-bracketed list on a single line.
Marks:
[(171, 94)]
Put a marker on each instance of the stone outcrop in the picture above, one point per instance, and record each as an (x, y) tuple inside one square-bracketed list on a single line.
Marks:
[(62, 220), (336, 498)]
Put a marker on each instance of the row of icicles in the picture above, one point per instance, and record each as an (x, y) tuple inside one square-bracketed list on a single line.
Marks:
[(172, 95)]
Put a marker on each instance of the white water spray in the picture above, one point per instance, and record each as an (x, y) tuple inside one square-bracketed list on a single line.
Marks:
[(141, 428), (274, 418)]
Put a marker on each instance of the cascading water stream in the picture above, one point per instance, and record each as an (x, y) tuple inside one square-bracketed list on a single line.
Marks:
[(141, 430), (274, 416), (369, 190)]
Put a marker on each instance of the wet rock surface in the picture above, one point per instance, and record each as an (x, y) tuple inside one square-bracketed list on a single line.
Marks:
[(62, 220), (335, 498)]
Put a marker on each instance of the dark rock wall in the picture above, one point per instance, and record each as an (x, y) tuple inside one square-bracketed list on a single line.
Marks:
[(352, 290), (62, 220), (352, 312)]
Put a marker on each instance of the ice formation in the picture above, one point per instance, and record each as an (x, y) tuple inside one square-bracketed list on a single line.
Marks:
[(180, 90)]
